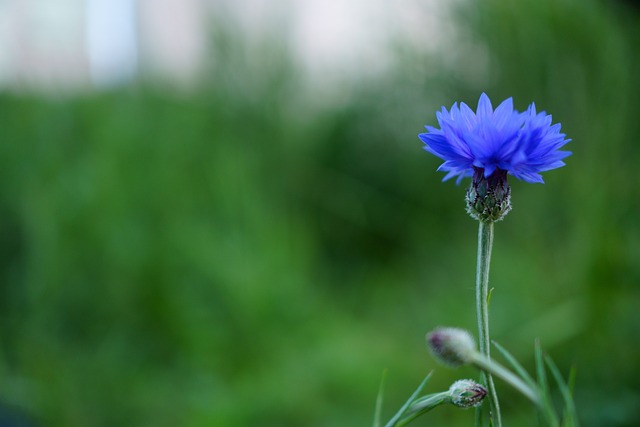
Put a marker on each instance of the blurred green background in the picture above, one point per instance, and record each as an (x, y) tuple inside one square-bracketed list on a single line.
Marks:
[(241, 255)]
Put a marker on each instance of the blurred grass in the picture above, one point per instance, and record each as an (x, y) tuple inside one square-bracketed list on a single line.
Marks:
[(239, 257)]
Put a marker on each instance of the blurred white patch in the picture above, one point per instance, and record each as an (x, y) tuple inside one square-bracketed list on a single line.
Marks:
[(173, 37), (39, 41), (112, 41), (341, 35), (339, 41), (335, 42)]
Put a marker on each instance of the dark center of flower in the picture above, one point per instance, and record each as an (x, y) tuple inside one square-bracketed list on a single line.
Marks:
[(488, 198)]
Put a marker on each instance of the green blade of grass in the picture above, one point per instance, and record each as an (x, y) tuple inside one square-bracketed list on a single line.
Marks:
[(570, 418), (516, 366), (479, 412), (423, 405), (543, 387), (413, 397), (378, 411), (572, 379)]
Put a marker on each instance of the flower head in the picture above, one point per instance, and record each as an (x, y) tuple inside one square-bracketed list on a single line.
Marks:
[(467, 393), (452, 346), (502, 140)]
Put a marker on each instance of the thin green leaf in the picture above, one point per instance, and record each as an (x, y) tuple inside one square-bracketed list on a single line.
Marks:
[(423, 405), (540, 371), (378, 412), (516, 366), (392, 422), (570, 418), (572, 379), (543, 387), (479, 411), (571, 382)]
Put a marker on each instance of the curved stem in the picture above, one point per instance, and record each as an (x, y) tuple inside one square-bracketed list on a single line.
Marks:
[(485, 243), (423, 405)]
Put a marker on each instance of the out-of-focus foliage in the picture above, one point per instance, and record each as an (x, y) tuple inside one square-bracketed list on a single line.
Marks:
[(238, 258)]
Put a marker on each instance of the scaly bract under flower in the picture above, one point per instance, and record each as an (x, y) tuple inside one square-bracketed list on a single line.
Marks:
[(522, 144)]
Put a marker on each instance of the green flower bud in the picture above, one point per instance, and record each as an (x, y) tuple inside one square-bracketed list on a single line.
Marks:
[(452, 346), (467, 393), (489, 199)]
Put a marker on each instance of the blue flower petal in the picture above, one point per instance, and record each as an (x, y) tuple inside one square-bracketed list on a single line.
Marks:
[(523, 144)]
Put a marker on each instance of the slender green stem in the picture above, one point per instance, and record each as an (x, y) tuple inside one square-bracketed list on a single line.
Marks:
[(485, 243), (423, 405), (393, 421)]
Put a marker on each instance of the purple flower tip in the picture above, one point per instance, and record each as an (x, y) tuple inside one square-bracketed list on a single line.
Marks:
[(523, 144)]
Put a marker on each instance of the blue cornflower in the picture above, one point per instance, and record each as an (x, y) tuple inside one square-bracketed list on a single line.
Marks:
[(503, 140)]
